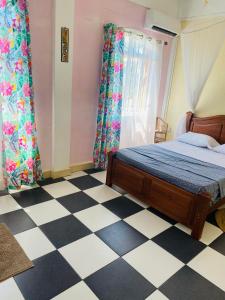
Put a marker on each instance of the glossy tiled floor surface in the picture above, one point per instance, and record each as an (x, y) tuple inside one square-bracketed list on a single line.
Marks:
[(88, 241)]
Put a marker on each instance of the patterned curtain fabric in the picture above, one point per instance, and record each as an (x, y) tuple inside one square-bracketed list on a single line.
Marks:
[(110, 99), (21, 159)]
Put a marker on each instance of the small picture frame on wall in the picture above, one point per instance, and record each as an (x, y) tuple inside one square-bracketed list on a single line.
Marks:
[(65, 44)]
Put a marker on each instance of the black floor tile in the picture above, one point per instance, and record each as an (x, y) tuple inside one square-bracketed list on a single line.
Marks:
[(77, 202), (121, 237), (65, 231), (50, 181), (50, 276), (162, 216), (119, 281), (92, 171), (85, 182), (31, 197), (179, 244), (4, 193), (122, 207), (186, 284), (17, 221), (211, 219), (219, 244)]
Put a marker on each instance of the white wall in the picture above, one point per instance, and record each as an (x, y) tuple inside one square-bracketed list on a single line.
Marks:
[(198, 8), (62, 87), (170, 7)]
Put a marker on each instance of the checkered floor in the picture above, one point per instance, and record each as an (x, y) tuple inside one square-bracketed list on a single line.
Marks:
[(88, 241)]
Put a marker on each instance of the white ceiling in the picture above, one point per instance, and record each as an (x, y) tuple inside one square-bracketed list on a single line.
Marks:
[(186, 9), (171, 7), (199, 8)]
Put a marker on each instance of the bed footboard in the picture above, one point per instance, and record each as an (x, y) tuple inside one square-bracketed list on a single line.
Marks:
[(178, 204)]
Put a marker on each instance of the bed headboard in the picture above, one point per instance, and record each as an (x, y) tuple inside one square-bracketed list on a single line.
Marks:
[(212, 126)]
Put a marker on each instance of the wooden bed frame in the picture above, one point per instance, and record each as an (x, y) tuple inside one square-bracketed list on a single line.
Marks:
[(182, 206)]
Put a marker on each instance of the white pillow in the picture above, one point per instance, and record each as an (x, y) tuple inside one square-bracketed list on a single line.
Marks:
[(220, 149), (198, 140)]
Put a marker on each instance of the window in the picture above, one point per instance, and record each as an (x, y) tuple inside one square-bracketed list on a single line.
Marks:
[(141, 84)]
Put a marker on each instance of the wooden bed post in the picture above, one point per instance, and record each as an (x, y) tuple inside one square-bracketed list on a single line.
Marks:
[(189, 116), (201, 212), (109, 169)]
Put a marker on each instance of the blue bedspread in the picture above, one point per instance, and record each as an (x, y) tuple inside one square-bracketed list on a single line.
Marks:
[(188, 173)]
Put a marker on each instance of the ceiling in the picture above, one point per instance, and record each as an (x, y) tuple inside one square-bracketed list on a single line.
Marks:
[(185, 9), (171, 7)]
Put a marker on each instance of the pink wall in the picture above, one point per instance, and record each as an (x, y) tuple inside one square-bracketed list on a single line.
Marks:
[(90, 16), (41, 35)]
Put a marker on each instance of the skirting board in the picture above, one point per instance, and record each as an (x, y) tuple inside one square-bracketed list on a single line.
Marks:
[(61, 173), (82, 167), (47, 174), (67, 172)]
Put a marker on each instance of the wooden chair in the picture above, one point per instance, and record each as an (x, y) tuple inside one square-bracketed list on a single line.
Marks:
[(161, 131)]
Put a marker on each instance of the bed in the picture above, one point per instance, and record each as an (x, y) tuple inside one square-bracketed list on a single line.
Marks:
[(184, 199)]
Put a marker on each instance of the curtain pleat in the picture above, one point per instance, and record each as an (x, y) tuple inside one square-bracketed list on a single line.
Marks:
[(201, 42), (21, 158), (141, 84), (2, 186), (110, 98)]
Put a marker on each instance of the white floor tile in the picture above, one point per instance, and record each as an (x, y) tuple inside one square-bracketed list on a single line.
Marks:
[(210, 232), (79, 291), (211, 265), (118, 189), (157, 295), (102, 193), (96, 217), (88, 255), (134, 199), (10, 291), (76, 175), (60, 189), (34, 243), (147, 223), (8, 204), (153, 262), (101, 176), (46, 212)]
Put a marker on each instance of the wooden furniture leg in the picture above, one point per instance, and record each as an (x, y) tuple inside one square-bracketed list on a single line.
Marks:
[(109, 170), (201, 212)]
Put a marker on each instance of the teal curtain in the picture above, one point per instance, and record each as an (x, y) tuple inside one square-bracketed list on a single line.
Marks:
[(21, 159), (110, 98)]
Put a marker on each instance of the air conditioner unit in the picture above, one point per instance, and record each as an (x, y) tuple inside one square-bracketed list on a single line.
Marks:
[(156, 20)]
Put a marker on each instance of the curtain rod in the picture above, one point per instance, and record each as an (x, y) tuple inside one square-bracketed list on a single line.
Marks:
[(141, 35)]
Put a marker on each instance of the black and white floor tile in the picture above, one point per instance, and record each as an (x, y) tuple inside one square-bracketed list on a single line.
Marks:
[(88, 241)]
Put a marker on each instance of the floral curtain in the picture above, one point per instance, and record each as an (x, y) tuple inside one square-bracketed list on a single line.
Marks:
[(21, 159), (110, 98)]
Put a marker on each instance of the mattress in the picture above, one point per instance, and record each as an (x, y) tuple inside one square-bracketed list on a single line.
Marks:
[(202, 154), (191, 168)]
